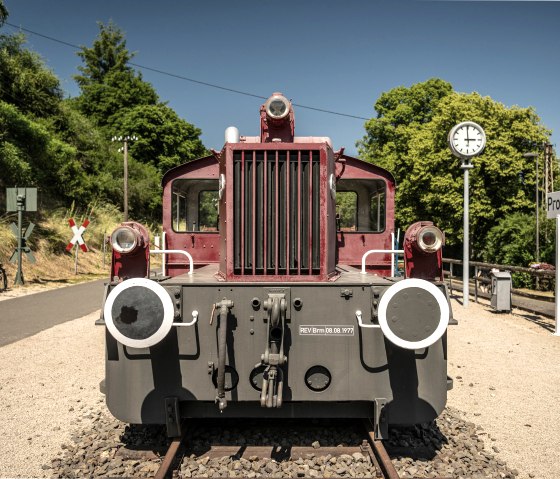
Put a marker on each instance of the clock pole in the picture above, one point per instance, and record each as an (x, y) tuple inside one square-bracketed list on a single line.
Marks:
[(466, 140), (466, 165)]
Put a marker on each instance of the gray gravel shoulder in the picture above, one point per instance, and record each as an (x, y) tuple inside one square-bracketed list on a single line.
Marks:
[(507, 379), (49, 385)]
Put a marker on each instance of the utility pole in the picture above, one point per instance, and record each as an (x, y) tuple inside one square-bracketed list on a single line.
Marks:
[(536, 156), (124, 149)]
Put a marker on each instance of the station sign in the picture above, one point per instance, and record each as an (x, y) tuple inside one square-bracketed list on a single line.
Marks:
[(552, 204)]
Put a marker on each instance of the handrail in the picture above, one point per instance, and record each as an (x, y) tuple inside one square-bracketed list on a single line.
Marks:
[(174, 251), (392, 252), (190, 323)]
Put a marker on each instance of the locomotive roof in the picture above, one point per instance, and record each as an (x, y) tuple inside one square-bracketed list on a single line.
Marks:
[(354, 168)]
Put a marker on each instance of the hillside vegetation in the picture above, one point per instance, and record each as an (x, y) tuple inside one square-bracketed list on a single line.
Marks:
[(48, 242), (66, 148)]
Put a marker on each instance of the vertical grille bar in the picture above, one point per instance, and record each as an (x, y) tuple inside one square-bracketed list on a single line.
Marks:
[(254, 212), (310, 221), (293, 212), (242, 212), (316, 212), (276, 217), (237, 205), (299, 214), (264, 245)]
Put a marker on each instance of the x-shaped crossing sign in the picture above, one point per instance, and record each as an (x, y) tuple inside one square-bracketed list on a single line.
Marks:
[(78, 232)]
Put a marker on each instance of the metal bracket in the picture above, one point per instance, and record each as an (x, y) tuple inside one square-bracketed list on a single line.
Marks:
[(381, 422), (346, 293), (173, 417)]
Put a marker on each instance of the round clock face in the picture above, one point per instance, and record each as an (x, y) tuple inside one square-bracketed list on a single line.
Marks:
[(467, 139)]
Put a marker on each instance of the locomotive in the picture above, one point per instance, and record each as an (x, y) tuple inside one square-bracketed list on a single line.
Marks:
[(277, 296)]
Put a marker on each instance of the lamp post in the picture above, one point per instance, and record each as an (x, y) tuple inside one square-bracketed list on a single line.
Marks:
[(124, 149), (536, 156)]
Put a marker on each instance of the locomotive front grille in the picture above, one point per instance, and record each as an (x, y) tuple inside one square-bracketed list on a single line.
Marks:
[(276, 212)]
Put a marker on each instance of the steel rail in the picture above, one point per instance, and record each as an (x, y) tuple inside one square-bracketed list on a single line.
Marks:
[(372, 446), (170, 455)]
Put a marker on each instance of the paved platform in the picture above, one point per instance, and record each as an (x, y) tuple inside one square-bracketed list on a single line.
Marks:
[(27, 315)]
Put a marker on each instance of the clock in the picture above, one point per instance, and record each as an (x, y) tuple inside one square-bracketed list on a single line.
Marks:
[(466, 140)]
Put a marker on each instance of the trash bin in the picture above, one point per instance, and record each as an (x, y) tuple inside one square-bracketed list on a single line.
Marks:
[(501, 291)]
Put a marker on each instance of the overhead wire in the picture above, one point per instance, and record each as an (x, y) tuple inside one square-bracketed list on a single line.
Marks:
[(185, 78)]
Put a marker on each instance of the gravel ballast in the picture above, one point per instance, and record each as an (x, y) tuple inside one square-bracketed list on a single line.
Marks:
[(502, 416)]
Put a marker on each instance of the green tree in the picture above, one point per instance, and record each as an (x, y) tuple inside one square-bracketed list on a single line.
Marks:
[(109, 85), (409, 138), (25, 81), (164, 139), (31, 155), (3, 13)]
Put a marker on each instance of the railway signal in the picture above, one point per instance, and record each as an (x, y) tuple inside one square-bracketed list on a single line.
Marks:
[(24, 248), (20, 200)]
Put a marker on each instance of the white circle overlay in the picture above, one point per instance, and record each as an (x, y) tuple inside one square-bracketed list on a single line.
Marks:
[(166, 324), (426, 286)]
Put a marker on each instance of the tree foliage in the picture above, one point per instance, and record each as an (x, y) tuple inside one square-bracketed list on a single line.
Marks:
[(117, 99), (3, 13), (409, 138), (51, 143), (164, 139), (108, 84), (25, 81)]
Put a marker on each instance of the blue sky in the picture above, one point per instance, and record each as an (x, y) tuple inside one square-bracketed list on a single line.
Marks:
[(333, 55)]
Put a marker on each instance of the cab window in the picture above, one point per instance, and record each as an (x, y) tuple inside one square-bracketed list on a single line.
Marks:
[(195, 205), (361, 205)]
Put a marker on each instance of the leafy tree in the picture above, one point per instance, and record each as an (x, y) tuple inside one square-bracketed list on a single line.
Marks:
[(109, 85), (31, 155), (512, 241), (164, 139), (25, 81), (3, 13), (108, 54), (409, 138)]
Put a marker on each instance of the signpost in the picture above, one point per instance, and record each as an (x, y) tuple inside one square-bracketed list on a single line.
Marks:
[(78, 232), (553, 211), (77, 240), (20, 200)]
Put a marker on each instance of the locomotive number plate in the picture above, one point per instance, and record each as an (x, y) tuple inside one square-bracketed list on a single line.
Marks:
[(326, 330)]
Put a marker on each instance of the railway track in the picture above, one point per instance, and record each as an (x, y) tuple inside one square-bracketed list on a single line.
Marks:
[(370, 446)]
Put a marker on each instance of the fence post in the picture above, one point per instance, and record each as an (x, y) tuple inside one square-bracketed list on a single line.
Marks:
[(450, 279), (476, 284)]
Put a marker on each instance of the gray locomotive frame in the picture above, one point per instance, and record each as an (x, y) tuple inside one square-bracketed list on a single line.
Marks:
[(333, 367)]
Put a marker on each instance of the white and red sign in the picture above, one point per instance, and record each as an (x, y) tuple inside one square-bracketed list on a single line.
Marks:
[(78, 232)]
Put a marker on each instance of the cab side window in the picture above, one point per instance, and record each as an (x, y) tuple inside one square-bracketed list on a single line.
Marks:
[(361, 205), (195, 205)]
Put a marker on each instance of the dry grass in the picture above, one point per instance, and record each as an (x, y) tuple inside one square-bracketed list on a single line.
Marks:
[(48, 242)]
